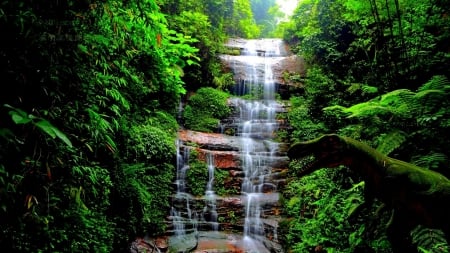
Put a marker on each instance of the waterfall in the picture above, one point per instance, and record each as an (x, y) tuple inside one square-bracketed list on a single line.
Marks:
[(184, 220), (245, 149), (257, 128), (209, 211)]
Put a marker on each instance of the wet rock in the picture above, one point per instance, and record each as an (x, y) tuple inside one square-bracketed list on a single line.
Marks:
[(282, 66), (183, 243), (237, 173), (141, 245), (209, 141), (232, 201), (222, 159)]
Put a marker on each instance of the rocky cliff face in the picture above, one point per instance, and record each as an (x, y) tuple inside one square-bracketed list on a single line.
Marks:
[(283, 67)]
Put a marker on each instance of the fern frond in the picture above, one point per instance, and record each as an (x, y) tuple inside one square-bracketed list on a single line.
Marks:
[(389, 142), (352, 131), (428, 106), (439, 82), (369, 89), (430, 99), (430, 161), (366, 109), (396, 97), (425, 93), (354, 87), (429, 240)]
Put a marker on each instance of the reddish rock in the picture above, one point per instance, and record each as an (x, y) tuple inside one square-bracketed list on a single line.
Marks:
[(210, 141), (162, 243), (232, 201), (222, 159)]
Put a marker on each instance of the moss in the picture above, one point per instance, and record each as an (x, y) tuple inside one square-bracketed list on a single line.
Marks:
[(196, 175), (220, 187)]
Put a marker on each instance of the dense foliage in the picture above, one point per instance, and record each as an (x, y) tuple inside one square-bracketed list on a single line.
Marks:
[(205, 109), (378, 72), (88, 115), (91, 95)]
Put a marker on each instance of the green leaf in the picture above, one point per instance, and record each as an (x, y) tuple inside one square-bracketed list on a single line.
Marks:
[(54, 132), (17, 115), (62, 137), (19, 118), (46, 127), (83, 48), (389, 142)]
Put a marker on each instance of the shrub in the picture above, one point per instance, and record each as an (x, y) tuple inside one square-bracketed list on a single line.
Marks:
[(205, 109), (149, 143), (197, 175)]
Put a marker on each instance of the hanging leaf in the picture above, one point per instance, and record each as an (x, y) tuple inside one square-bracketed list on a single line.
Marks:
[(46, 127), (18, 116), (54, 132)]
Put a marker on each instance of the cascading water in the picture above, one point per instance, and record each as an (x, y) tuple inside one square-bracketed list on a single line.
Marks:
[(257, 127), (250, 155), (184, 220), (209, 211)]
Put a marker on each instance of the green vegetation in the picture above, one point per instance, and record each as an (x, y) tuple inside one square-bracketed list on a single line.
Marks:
[(320, 209), (205, 109), (91, 92), (197, 175), (378, 72), (88, 111)]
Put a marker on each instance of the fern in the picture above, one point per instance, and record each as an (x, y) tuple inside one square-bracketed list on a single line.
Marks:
[(436, 83), (430, 100), (431, 160), (367, 109), (429, 240), (369, 89), (429, 105), (389, 142), (396, 97), (366, 89), (433, 94)]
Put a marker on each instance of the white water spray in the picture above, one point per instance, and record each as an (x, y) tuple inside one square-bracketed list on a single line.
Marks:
[(258, 116)]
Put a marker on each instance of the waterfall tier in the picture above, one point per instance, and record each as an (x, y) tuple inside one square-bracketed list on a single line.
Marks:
[(255, 164)]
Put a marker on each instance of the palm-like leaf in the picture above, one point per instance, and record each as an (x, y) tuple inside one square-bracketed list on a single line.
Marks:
[(389, 142)]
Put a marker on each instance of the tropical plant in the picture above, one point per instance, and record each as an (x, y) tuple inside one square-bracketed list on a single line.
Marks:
[(205, 109), (84, 80), (321, 204), (197, 175), (416, 118), (429, 240)]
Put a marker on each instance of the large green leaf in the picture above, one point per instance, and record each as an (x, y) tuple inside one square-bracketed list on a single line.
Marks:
[(18, 116), (54, 132)]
